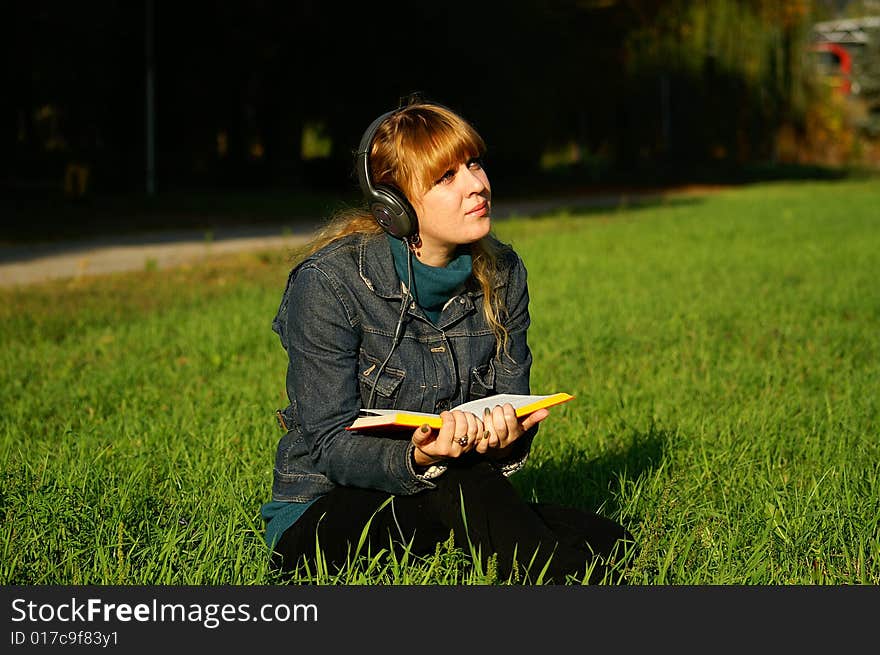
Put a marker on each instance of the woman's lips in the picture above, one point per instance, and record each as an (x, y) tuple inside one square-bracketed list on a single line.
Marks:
[(480, 210)]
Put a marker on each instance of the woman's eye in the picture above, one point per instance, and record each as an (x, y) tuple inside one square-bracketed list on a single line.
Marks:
[(446, 177), (475, 162)]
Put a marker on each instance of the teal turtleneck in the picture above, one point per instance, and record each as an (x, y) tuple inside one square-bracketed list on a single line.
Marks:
[(432, 286)]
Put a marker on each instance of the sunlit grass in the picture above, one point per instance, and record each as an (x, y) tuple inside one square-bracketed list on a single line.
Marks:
[(723, 352)]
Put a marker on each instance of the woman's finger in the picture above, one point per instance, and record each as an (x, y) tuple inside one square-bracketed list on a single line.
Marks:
[(458, 437), (511, 421), (475, 430), (534, 418)]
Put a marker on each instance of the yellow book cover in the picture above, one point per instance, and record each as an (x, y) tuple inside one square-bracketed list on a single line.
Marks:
[(401, 418)]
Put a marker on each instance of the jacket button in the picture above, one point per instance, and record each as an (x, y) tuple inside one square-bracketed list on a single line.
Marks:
[(442, 406)]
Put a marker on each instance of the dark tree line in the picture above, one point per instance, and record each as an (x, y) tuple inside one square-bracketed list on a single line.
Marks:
[(607, 90)]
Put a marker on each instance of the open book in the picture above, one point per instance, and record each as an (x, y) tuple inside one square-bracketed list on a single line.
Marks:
[(401, 418)]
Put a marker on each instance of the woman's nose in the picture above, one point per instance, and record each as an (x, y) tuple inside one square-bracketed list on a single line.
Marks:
[(475, 180)]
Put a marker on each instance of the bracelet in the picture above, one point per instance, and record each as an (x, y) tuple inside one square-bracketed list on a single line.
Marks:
[(418, 468), (421, 468)]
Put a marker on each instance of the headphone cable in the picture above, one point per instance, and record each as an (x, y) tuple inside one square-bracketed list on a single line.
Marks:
[(397, 330)]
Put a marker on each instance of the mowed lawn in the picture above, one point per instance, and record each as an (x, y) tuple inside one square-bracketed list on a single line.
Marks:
[(724, 351)]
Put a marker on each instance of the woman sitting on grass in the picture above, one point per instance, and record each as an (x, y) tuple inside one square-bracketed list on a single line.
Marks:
[(413, 304)]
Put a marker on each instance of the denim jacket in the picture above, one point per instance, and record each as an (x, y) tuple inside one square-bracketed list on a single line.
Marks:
[(336, 321)]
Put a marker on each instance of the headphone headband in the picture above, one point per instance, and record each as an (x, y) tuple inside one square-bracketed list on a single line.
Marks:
[(388, 206)]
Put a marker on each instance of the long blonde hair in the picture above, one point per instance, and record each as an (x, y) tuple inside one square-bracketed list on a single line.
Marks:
[(412, 148)]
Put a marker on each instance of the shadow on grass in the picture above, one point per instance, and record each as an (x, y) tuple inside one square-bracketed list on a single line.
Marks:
[(591, 205), (45, 214), (51, 217), (39, 231), (570, 478)]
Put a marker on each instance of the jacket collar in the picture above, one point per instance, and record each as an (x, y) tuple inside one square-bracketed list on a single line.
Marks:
[(376, 266)]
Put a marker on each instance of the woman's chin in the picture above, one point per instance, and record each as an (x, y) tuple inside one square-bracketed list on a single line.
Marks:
[(480, 228)]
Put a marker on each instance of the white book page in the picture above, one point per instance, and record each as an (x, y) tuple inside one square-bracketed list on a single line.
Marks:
[(477, 406), (474, 406), (386, 412)]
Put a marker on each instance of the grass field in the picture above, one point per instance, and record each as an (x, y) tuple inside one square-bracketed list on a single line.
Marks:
[(724, 351)]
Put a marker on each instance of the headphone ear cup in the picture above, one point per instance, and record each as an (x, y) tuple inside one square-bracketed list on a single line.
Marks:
[(389, 207), (393, 212)]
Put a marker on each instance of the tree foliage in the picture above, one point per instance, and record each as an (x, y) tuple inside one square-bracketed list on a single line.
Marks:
[(596, 90)]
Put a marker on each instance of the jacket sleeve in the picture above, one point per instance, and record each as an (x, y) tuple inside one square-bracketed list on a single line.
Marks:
[(322, 335)]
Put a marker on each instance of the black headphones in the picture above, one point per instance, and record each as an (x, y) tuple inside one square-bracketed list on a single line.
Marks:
[(388, 206)]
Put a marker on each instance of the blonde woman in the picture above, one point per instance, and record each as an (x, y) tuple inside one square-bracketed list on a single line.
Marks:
[(412, 303)]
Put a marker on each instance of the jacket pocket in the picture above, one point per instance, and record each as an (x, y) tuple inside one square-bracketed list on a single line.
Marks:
[(387, 383), (482, 381)]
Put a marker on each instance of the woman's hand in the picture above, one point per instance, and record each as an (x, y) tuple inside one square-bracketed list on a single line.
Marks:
[(459, 434), (503, 428)]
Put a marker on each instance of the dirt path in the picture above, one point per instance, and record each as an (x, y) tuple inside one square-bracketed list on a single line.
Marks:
[(23, 265), (28, 264)]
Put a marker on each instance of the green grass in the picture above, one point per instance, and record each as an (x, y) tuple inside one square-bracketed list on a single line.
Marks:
[(723, 349)]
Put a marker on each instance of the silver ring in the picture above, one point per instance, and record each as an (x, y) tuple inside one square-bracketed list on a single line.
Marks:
[(462, 441)]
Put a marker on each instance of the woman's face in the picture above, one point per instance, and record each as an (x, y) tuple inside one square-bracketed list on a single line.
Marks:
[(454, 211)]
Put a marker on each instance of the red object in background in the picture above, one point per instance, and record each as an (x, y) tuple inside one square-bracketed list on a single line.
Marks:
[(844, 64)]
